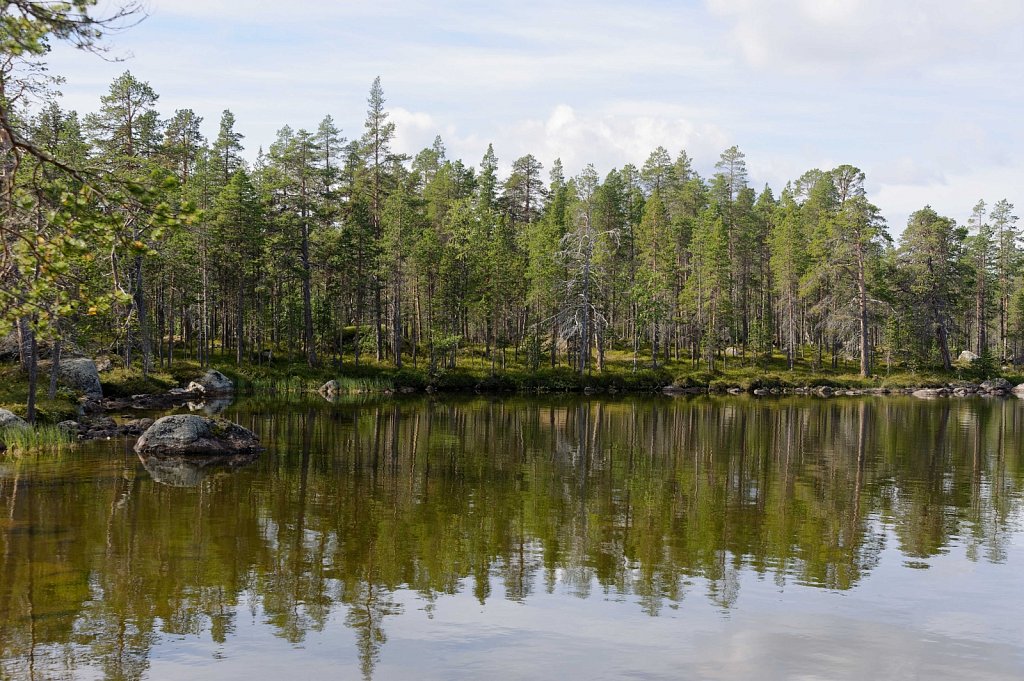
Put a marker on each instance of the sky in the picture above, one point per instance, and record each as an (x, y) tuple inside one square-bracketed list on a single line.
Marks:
[(925, 96)]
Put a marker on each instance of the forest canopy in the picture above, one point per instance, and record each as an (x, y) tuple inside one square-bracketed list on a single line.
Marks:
[(125, 229)]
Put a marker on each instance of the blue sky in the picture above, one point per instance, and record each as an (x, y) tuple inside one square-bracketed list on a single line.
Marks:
[(923, 95)]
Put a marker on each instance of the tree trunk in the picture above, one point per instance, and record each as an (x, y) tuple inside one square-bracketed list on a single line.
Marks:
[(54, 370), (307, 300), (862, 290), (140, 309)]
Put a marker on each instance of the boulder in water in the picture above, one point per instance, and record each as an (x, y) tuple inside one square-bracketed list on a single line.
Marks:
[(931, 393), (194, 435)]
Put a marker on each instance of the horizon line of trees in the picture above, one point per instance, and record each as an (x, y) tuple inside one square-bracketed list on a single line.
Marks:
[(133, 231)]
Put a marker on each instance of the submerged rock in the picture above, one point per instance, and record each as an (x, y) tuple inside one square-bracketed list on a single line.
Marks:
[(190, 434)]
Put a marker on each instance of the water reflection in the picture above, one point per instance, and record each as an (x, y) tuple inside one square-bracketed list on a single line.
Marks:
[(654, 501), (190, 471)]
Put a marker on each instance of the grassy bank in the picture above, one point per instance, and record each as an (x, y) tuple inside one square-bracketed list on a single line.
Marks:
[(474, 373)]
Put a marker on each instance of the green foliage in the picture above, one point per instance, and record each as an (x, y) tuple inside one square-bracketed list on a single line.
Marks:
[(984, 367), (361, 261)]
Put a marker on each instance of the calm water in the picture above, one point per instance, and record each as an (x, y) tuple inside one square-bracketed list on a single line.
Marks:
[(796, 538)]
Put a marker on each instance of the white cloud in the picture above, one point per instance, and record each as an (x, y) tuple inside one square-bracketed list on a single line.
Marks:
[(611, 139), (953, 195), (921, 94), (870, 35)]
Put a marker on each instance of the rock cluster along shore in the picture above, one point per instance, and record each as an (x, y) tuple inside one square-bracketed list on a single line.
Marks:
[(94, 423), (997, 387)]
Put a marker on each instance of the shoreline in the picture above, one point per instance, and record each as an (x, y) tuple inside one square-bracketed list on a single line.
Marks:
[(128, 391)]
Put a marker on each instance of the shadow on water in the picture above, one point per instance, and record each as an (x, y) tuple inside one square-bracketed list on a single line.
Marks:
[(359, 502)]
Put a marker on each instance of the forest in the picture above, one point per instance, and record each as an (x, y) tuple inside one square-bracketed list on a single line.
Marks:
[(125, 230)]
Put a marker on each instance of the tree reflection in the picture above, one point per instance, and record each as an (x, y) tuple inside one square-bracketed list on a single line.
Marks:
[(648, 500)]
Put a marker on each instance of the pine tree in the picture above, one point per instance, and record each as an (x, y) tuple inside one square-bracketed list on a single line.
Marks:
[(932, 253)]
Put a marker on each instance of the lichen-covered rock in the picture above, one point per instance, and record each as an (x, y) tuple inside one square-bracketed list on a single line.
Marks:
[(212, 382), (996, 385), (10, 348), (330, 388), (9, 419), (69, 427), (966, 357), (191, 434), (1019, 390), (80, 374)]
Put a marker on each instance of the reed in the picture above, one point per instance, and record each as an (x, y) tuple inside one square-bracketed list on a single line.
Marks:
[(39, 438)]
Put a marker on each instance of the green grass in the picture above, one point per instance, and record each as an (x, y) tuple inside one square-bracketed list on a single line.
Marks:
[(41, 438), (14, 397)]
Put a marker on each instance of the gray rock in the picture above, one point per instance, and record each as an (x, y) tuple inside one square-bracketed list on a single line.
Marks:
[(761, 392), (1019, 390), (930, 393), (212, 382), (994, 384), (9, 419), (80, 374), (966, 357), (10, 352), (190, 434), (69, 427), (330, 388), (104, 364), (732, 352)]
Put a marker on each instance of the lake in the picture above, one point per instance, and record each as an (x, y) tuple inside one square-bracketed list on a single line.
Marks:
[(532, 538)]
